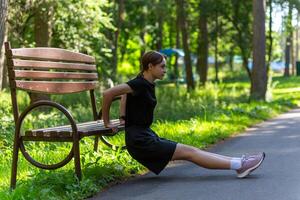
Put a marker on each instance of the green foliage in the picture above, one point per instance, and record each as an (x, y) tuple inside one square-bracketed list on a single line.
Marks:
[(90, 27), (6, 128), (79, 25), (200, 118), (75, 25), (20, 20)]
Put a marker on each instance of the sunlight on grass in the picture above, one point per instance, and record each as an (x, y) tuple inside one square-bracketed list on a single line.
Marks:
[(286, 90)]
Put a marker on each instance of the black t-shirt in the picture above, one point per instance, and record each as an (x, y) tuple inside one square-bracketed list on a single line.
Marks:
[(141, 103)]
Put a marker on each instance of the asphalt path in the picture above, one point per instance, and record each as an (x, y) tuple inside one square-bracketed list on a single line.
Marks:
[(278, 178)]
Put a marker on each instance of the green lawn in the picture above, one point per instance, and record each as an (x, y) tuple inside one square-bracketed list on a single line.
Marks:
[(200, 118)]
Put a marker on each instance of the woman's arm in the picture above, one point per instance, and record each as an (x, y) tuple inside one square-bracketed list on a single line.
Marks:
[(123, 108), (108, 96)]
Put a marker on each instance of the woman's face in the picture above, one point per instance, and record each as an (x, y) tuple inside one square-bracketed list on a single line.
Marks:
[(159, 70)]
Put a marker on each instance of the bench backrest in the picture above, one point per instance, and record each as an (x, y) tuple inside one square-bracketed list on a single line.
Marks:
[(49, 71)]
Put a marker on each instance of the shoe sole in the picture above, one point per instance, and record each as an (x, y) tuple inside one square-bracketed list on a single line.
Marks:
[(248, 171)]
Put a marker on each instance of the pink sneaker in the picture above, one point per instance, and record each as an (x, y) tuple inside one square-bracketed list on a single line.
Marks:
[(249, 164)]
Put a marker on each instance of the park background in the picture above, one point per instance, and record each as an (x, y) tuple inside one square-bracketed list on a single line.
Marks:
[(231, 64)]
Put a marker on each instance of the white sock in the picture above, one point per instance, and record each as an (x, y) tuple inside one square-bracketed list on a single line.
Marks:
[(235, 163)]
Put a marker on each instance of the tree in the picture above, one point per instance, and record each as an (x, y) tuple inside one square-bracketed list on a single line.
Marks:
[(297, 38), (42, 34), (177, 46), (238, 13), (43, 23), (119, 21), (216, 45), (289, 33), (75, 25), (289, 5), (259, 71), (270, 36), (136, 28), (160, 21), (3, 35), (185, 43), (202, 63), (85, 26)]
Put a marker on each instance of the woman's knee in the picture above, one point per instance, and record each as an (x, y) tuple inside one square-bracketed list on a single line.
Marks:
[(184, 152)]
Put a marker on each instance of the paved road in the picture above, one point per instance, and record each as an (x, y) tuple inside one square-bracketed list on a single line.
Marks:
[(277, 179)]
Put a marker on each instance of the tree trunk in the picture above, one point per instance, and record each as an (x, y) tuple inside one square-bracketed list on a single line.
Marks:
[(244, 52), (4, 78), (3, 16), (42, 36), (172, 28), (259, 70), (231, 57), (287, 56), (185, 43), (43, 25), (119, 20), (176, 70), (159, 34), (246, 64), (288, 41), (160, 20), (293, 54), (3, 35), (143, 45), (242, 36), (216, 49), (270, 37), (297, 37), (202, 64), (123, 48)]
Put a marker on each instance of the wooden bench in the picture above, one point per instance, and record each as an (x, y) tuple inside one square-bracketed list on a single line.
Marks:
[(53, 71)]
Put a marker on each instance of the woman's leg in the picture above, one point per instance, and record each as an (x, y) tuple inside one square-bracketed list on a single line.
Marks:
[(201, 158), (243, 166)]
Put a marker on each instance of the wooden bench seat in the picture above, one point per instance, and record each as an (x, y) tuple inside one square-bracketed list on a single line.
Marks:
[(64, 133)]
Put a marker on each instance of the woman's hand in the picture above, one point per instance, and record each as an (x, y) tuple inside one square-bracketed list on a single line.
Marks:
[(122, 121), (113, 127)]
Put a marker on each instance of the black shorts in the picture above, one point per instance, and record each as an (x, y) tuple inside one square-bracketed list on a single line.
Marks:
[(144, 145)]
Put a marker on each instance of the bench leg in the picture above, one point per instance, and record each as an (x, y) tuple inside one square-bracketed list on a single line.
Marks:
[(77, 158), (13, 179), (96, 143)]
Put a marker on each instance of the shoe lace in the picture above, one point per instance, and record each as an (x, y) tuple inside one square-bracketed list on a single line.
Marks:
[(247, 157), (243, 158)]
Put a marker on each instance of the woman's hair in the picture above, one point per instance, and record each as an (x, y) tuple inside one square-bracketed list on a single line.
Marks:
[(151, 57)]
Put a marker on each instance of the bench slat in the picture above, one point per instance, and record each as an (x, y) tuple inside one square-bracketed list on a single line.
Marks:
[(51, 54), (65, 132), (82, 127), (54, 75), (48, 87), (53, 139), (31, 64)]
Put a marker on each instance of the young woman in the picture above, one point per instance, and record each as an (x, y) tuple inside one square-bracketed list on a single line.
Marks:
[(143, 144)]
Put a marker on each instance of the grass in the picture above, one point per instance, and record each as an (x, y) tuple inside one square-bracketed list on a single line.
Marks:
[(200, 118)]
